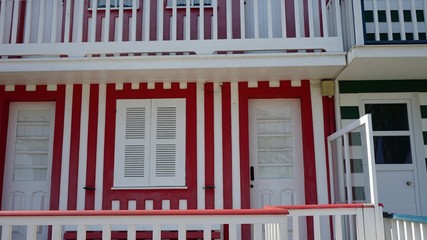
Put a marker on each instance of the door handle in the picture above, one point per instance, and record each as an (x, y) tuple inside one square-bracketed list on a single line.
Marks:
[(409, 183), (252, 173)]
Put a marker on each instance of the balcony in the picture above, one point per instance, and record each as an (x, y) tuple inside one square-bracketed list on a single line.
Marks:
[(386, 39), (344, 221), (217, 40)]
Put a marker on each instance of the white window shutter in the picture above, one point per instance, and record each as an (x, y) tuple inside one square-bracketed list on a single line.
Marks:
[(132, 143), (168, 142)]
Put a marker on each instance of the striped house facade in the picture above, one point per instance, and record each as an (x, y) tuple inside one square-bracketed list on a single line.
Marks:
[(217, 167)]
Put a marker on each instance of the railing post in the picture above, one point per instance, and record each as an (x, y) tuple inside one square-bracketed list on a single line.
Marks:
[(358, 22)]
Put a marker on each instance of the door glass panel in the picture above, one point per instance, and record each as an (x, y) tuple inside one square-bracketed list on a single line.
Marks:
[(33, 129), (274, 142), (279, 156), (392, 150), (29, 174), (276, 172), (274, 138), (388, 117)]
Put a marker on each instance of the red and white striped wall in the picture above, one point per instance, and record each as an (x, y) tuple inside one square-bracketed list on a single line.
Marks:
[(216, 145)]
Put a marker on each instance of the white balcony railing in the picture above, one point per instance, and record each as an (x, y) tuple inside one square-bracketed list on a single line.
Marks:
[(403, 226), (83, 28), (385, 22), (272, 223)]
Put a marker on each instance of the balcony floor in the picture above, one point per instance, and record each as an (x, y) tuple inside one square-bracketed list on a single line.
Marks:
[(178, 68), (386, 62)]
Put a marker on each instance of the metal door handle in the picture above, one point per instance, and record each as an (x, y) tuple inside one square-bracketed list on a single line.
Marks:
[(409, 183)]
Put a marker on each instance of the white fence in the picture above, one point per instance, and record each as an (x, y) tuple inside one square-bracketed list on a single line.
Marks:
[(270, 223), (405, 227), (83, 28)]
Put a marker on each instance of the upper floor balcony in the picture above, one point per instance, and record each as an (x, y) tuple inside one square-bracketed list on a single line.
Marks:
[(152, 39), (386, 39)]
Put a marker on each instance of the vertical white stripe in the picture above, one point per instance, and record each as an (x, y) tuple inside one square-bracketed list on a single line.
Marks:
[(63, 193), (99, 181), (219, 186), (319, 150), (200, 146), (84, 122), (235, 142)]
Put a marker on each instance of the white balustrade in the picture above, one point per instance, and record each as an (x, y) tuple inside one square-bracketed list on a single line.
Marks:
[(272, 223), (84, 28)]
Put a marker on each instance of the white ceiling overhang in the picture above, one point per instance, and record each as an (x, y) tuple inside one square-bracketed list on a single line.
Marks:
[(210, 68), (386, 62)]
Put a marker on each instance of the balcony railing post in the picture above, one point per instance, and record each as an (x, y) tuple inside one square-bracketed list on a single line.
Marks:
[(358, 22)]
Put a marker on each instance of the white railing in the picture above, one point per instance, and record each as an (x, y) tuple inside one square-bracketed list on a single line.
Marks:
[(81, 28), (270, 223), (403, 226), (386, 21)]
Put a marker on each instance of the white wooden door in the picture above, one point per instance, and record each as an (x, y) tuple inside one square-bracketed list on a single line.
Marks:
[(27, 174), (276, 158), (395, 155)]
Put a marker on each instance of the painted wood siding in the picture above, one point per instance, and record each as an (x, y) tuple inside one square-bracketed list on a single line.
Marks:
[(216, 142)]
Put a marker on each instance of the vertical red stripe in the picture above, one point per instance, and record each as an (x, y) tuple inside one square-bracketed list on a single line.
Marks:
[(4, 115), (92, 142), (329, 128), (57, 147), (74, 147), (209, 146)]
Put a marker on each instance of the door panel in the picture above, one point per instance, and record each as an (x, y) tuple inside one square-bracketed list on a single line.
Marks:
[(395, 155), (28, 160)]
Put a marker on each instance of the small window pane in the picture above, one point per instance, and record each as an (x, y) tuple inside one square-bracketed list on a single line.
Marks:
[(392, 150), (275, 172), (388, 117), (114, 3), (279, 156), (29, 174)]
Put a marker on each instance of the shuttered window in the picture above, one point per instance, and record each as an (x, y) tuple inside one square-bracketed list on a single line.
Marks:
[(150, 143)]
